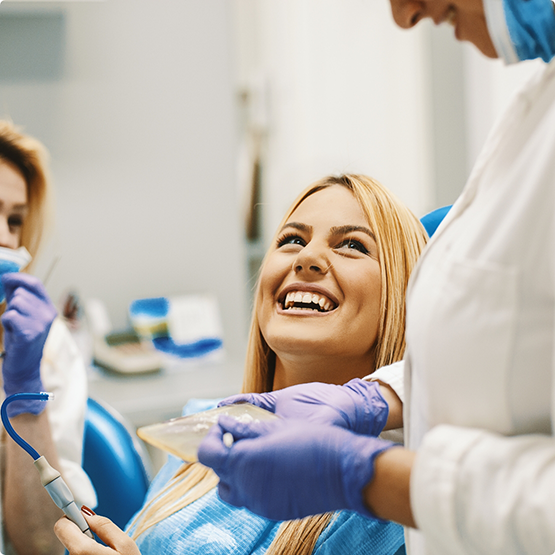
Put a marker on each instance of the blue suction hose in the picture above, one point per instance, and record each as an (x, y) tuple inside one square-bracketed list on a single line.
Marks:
[(50, 477), (6, 421)]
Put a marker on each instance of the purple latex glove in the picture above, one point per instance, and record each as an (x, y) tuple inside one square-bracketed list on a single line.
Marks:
[(287, 469), (27, 319), (358, 405)]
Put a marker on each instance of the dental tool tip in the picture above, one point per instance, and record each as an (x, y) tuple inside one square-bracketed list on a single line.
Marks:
[(228, 440)]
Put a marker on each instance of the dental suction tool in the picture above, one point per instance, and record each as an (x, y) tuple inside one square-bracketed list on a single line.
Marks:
[(50, 477)]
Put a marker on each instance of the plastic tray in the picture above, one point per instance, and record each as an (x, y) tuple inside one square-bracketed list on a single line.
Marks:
[(182, 436)]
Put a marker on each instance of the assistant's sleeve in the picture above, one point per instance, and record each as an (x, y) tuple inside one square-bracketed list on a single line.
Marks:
[(476, 492), (64, 374)]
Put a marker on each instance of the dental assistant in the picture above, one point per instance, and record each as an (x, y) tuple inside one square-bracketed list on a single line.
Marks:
[(40, 355), (477, 473)]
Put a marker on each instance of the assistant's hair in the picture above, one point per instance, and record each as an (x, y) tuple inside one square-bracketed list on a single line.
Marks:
[(29, 157), (400, 238)]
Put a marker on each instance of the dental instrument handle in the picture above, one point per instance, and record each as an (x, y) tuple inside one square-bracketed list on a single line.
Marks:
[(50, 478), (61, 494)]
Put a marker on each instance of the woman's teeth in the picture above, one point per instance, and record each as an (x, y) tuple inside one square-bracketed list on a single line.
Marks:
[(302, 300)]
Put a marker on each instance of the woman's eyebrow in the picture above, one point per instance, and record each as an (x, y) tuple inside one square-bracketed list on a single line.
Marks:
[(297, 225), (23, 207), (344, 229)]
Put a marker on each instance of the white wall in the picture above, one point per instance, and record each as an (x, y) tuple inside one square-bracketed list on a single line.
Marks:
[(139, 117), (346, 91)]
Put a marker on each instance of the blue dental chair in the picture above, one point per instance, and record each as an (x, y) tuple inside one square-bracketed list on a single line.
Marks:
[(432, 220), (114, 460)]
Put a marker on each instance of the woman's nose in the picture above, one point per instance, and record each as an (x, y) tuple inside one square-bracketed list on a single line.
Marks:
[(407, 13), (312, 259)]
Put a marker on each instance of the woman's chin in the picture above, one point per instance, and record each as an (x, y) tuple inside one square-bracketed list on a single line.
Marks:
[(303, 343)]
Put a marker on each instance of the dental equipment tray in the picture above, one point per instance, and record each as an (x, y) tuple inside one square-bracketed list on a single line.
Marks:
[(124, 352)]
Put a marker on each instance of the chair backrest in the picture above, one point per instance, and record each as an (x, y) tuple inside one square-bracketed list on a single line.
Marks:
[(112, 458), (432, 220)]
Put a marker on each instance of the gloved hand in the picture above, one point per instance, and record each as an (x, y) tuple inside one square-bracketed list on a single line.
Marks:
[(27, 319), (287, 469), (358, 405)]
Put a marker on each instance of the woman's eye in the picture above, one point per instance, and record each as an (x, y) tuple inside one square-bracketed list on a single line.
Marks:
[(353, 244), (15, 222), (291, 240)]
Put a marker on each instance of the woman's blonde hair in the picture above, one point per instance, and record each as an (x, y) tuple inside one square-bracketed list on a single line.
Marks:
[(29, 157), (400, 238)]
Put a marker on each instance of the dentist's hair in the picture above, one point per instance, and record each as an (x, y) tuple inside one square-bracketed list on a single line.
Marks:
[(400, 238), (29, 157)]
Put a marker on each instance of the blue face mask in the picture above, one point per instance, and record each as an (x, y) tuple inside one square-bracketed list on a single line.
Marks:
[(12, 261), (521, 29)]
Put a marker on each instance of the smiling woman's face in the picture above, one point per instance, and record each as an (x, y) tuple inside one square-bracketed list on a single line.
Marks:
[(321, 285)]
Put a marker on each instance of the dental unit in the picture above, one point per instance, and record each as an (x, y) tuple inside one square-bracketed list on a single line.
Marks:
[(50, 477)]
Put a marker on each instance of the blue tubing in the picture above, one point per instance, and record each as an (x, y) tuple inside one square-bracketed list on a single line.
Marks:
[(6, 421)]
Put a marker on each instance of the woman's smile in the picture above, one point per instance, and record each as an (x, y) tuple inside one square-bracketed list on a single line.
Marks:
[(305, 299), (320, 286)]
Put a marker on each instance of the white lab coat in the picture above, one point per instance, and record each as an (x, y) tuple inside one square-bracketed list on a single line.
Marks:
[(479, 369), (64, 374)]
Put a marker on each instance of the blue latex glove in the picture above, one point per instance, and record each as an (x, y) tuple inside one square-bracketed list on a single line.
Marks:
[(27, 319), (287, 469), (358, 405)]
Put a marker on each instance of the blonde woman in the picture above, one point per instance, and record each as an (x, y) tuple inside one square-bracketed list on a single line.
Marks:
[(329, 307), (39, 355)]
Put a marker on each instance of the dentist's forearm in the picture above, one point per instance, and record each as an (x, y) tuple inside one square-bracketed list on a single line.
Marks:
[(388, 493)]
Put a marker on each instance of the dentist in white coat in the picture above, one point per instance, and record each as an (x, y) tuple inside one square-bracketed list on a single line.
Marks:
[(477, 473)]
